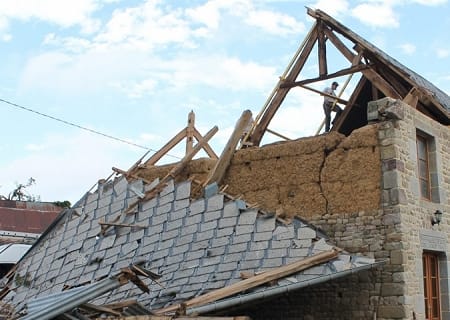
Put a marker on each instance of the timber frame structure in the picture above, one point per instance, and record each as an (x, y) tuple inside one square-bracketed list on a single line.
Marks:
[(381, 76)]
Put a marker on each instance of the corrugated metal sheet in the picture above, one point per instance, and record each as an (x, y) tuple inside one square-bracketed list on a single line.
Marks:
[(50, 306), (11, 253)]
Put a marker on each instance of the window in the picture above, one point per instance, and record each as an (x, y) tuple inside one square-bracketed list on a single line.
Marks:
[(423, 166), (431, 286), (427, 167)]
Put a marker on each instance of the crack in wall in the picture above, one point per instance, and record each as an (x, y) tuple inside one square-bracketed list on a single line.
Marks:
[(322, 166)]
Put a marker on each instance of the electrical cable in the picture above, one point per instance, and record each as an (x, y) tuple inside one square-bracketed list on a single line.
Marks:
[(81, 127)]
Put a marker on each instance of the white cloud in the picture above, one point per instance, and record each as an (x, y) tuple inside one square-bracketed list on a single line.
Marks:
[(65, 167), (65, 13), (377, 14), (442, 53), (408, 48), (332, 7), (275, 23), (430, 2)]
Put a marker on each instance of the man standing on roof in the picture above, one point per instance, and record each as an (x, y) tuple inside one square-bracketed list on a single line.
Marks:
[(328, 105)]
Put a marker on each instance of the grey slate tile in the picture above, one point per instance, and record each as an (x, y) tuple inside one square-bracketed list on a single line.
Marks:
[(215, 202), (193, 220), (230, 210), (197, 207), (149, 204), (227, 222), (168, 198), (271, 263), (174, 224), (163, 209), (246, 229), (168, 189), (208, 226), (264, 224), (181, 204), (276, 244), (183, 190), (248, 217), (276, 253), (212, 215), (171, 234), (306, 233)]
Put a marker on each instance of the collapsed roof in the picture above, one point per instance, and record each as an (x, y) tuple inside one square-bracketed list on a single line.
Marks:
[(198, 251)]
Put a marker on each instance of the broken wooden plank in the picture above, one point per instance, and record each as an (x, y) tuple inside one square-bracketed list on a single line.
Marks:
[(127, 175), (114, 224), (255, 281), (217, 174)]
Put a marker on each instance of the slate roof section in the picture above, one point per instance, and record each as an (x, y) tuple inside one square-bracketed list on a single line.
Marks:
[(196, 246)]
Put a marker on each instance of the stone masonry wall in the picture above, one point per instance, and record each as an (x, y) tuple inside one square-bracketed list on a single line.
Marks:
[(407, 217)]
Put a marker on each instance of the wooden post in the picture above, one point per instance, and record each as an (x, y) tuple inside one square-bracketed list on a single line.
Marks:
[(216, 175), (190, 132)]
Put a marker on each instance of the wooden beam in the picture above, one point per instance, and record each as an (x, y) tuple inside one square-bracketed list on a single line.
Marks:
[(340, 73), (278, 134), (412, 98), (216, 175), (190, 132), (209, 151), (127, 175), (166, 148), (369, 73), (339, 100), (322, 51), (175, 170), (281, 93), (255, 281)]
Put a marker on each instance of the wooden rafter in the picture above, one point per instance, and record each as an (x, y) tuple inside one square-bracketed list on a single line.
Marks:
[(369, 73), (190, 132), (281, 93)]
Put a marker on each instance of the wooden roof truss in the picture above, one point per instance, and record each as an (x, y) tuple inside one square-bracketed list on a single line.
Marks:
[(380, 77)]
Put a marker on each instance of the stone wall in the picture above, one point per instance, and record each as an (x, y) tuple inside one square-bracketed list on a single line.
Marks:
[(407, 216)]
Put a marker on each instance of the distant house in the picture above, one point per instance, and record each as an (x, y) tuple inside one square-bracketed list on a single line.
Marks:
[(21, 223), (352, 224)]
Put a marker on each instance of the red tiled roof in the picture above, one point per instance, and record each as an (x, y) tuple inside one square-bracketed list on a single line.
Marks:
[(27, 217)]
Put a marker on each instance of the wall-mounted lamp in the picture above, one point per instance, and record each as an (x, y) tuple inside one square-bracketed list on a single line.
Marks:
[(437, 217)]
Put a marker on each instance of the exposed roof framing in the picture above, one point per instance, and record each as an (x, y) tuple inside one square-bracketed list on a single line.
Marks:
[(381, 76)]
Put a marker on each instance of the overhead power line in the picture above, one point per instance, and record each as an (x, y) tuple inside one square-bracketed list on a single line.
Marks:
[(81, 127)]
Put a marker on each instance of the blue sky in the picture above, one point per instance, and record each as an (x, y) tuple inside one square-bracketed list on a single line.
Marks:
[(134, 70)]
